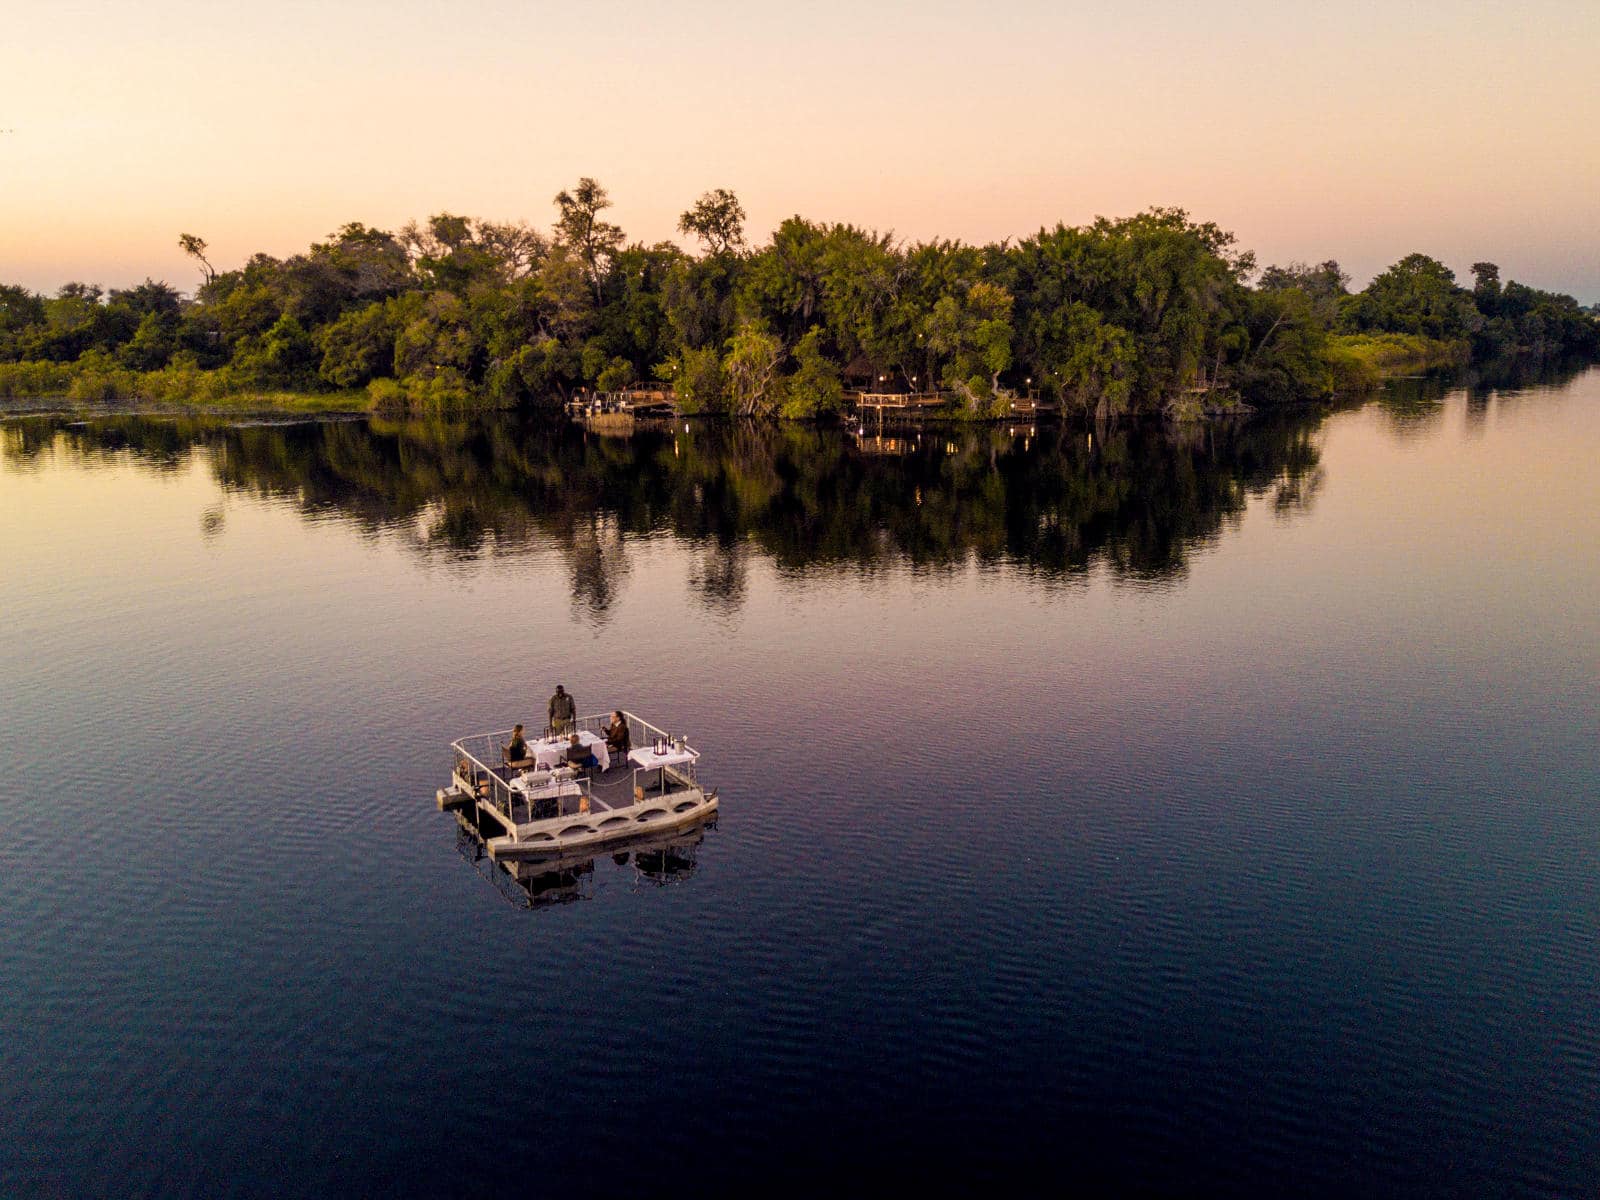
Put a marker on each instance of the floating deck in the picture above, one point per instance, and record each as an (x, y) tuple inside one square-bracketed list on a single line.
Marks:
[(556, 811)]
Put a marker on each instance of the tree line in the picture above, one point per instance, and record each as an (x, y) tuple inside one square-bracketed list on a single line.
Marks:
[(1151, 313)]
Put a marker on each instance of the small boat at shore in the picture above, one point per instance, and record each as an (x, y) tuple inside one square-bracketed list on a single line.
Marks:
[(551, 810)]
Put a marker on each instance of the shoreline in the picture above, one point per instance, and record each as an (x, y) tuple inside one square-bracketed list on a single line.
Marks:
[(1367, 364)]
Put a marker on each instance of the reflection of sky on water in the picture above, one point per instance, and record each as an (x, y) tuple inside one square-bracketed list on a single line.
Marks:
[(1232, 789)]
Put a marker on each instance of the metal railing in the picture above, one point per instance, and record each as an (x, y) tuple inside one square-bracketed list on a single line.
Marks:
[(480, 765), (491, 784), (882, 400)]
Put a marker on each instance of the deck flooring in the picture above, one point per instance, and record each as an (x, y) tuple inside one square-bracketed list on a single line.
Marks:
[(609, 789)]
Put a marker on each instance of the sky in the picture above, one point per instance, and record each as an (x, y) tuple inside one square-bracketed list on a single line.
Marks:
[(1359, 131)]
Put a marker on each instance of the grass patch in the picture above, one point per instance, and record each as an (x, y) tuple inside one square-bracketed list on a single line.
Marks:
[(97, 380), (1361, 361)]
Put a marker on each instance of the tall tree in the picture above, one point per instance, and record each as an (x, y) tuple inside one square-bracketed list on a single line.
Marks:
[(1486, 287), (195, 248), (580, 227), (717, 219)]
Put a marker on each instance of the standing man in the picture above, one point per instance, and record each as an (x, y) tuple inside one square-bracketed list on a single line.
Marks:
[(563, 712)]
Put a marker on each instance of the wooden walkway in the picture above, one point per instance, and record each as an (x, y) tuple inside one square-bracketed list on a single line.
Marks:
[(901, 401), (883, 406)]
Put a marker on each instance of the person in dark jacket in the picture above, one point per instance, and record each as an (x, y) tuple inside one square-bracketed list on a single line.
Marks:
[(563, 710), (617, 738)]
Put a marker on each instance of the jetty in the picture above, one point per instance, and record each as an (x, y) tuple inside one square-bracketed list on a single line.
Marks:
[(623, 410), (909, 407)]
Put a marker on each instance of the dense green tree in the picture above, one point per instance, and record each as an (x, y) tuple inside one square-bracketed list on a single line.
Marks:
[(433, 334), (153, 343), (358, 347), (632, 323), (21, 311), (1486, 287), (1324, 285), (1089, 362), (970, 335), (1417, 295), (453, 253), (148, 298), (1286, 330), (699, 300), (782, 285), (751, 368), (697, 377), (814, 389), (284, 357)]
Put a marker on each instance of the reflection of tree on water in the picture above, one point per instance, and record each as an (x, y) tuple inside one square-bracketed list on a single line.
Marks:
[(599, 560), (1415, 404), (721, 573), (1054, 501)]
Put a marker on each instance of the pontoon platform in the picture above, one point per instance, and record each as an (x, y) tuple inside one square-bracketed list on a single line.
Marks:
[(553, 811)]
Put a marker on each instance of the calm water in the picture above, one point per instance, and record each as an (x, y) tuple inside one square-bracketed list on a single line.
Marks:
[(1198, 815)]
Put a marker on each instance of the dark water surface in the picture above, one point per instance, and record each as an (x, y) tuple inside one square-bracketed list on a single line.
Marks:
[(1209, 814)]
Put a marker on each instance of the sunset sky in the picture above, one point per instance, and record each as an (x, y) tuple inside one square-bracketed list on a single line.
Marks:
[(1354, 130)]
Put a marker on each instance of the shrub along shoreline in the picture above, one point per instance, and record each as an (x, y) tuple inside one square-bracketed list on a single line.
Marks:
[(1358, 363), (1155, 314)]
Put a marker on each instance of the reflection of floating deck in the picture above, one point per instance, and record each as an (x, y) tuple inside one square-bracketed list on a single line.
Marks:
[(621, 424), (658, 858), (551, 814), (901, 404), (885, 446), (1031, 406)]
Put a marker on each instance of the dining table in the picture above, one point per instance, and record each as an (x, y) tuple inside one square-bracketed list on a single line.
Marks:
[(552, 751), (646, 758)]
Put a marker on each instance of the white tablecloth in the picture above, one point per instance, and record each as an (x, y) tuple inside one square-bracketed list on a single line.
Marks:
[(540, 787), (552, 752), (647, 759)]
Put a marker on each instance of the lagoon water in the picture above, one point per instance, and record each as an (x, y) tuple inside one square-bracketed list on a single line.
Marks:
[(1218, 813)]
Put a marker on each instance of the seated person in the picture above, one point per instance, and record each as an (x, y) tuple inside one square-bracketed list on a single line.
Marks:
[(516, 754), (580, 755), (617, 739)]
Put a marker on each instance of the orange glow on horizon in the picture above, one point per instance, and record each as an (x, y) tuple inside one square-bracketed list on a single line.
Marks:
[(1462, 130)]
